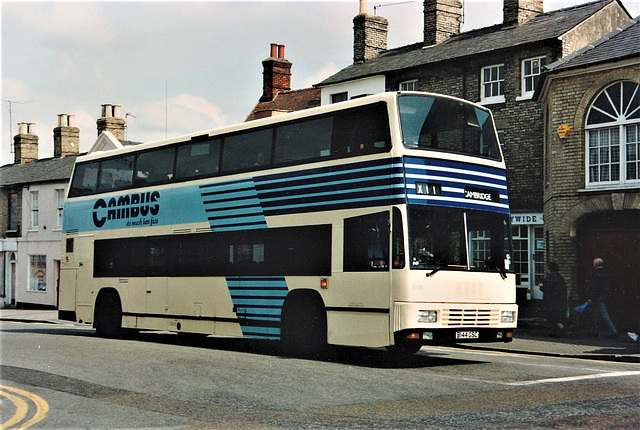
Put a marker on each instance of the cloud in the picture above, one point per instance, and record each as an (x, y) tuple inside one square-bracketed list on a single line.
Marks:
[(179, 115), (326, 71), (14, 89), (72, 24)]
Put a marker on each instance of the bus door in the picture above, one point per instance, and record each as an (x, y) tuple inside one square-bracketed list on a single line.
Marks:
[(156, 296), (365, 281)]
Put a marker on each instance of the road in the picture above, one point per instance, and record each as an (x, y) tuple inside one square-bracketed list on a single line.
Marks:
[(158, 381)]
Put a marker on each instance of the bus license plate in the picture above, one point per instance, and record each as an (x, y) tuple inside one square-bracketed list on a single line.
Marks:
[(467, 335)]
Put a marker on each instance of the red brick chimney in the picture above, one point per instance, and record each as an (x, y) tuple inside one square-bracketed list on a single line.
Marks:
[(276, 75)]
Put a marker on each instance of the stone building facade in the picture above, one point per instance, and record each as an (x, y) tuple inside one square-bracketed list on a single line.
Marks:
[(591, 191)]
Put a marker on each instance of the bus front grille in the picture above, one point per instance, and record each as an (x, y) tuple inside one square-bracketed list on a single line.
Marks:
[(470, 317)]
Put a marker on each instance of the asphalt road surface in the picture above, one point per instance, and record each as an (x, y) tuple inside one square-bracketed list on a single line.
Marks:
[(64, 377)]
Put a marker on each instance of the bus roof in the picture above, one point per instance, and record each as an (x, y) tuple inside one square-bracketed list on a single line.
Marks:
[(361, 101)]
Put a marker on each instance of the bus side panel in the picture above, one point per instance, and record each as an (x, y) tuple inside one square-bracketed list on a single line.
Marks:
[(358, 308), (358, 328)]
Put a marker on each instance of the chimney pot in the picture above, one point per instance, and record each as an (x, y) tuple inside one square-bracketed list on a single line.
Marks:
[(25, 143), (369, 36), (442, 19), (66, 137), (517, 12), (111, 120), (276, 74), (363, 7)]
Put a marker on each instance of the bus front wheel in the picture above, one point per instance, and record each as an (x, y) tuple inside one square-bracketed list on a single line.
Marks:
[(108, 315)]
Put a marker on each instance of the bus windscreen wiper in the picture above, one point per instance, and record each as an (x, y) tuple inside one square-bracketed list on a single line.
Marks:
[(437, 269), (496, 267)]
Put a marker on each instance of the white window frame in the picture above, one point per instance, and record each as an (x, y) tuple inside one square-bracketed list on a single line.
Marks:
[(533, 76), (607, 145), (411, 85), (497, 80), (35, 212), (59, 207)]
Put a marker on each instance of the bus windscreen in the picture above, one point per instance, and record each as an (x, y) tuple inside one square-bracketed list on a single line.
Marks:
[(448, 125)]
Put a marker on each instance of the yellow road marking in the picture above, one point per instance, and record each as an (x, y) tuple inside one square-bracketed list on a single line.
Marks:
[(21, 410), (42, 407)]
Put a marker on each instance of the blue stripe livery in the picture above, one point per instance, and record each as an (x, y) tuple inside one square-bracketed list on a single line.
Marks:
[(246, 203), (454, 178), (258, 302)]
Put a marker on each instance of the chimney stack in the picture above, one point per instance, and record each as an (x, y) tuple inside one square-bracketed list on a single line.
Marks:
[(442, 19), (369, 35), (276, 75), (66, 137), (111, 121), (517, 12), (25, 143)]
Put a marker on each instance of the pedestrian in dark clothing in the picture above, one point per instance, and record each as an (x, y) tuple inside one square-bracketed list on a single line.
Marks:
[(554, 299), (600, 287)]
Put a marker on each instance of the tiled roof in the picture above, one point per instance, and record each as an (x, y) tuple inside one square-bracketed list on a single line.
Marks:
[(288, 101), (45, 170), (620, 44), (546, 26)]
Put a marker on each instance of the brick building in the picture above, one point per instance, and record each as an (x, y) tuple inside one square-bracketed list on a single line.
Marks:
[(591, 102), (499, 67)]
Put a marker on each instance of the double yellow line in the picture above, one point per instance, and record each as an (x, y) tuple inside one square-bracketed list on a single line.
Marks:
[(17, 397)]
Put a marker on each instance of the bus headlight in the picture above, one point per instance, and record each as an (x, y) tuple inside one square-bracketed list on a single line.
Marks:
[(507, 316), (427, 316)]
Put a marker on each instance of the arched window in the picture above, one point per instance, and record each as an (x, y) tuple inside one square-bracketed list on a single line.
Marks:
[(613, 136)]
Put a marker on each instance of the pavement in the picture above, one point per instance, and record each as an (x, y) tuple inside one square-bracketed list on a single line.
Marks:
[(531, 337)]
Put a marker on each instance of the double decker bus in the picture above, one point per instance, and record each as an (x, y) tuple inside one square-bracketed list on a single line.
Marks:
[(376, 222)]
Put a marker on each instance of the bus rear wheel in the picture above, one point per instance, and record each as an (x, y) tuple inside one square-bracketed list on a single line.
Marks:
[(108, 316), (304, 327)]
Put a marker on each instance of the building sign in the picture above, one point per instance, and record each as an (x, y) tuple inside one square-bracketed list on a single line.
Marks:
[(38, 273), (527, 218), (563, 130)]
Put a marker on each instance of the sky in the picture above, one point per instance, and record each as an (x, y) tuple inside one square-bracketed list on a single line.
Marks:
[(180, 67)]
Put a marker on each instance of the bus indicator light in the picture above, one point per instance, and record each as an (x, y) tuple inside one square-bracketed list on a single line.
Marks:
[(324, 284)]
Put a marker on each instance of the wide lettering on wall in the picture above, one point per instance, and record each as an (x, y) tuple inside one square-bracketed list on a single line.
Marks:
[(527, 218)]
